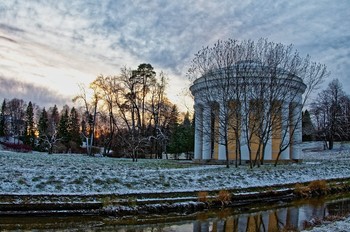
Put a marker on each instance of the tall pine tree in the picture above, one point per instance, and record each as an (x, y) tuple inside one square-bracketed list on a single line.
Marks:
[(74, 128), (187, 135), (53, 120), (182, 137), (3, 119), (29, 126), (308, 128), (63, 132), (43, 126)]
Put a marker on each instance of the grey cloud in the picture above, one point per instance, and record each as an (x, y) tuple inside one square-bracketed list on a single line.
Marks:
[(168, 33), (8, 39), (12, 88), (11, 29)]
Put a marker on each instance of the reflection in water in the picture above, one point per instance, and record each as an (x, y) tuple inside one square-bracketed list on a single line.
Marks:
[(274, 219), (289, 218)]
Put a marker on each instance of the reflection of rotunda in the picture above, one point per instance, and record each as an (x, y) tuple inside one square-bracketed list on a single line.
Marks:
[(253, 110)]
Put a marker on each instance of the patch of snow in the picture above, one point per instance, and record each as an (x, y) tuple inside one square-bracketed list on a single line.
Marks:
[(338, 226), (40, 173)]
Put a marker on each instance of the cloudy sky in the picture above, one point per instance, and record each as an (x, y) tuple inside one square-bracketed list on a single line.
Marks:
[(48, 47)]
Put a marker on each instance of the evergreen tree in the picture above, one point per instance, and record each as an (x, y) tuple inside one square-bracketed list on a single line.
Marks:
[(182, 137), (172, 131), (187, 135), (63, 133), (43, 126), (54, 119), (29, 128), (43, 122), (17, 112), (173, 119), (307, 127), (74, 127), (187, 121), (3, 119)]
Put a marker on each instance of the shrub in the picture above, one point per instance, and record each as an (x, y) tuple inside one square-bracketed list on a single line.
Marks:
[(17, 147), (301, 190), (203, 196), (36, 178), (318, 186), (40, 186), (224, 196), (98, 181), (132, 201), (75, 148), (106, 201), (22, 181), (59, 148)]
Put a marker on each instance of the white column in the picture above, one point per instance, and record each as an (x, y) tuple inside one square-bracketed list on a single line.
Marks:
[(285, 131), (268, 149), (293, 216), (282, 215), (222, 128), (206, 132), (198, 135), (243, 134), (297, 135)]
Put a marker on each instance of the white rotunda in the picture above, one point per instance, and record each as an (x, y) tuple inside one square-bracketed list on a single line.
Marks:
[(248, 111)]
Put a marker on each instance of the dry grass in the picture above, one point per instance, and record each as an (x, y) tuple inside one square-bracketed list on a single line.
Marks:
[(317, 187), (289, 228), (301, 190), (224, 196), (203, 196)]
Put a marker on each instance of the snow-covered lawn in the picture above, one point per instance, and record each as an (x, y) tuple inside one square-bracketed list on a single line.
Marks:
[(338, 226), (79, 174)]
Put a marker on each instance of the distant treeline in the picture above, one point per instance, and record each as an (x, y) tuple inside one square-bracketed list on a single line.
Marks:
[(128, 115)]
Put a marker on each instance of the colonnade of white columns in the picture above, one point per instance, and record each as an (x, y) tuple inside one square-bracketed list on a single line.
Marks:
[(203, 137), (222, 147)]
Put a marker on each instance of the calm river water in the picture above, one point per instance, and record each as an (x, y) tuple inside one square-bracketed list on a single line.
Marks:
[(261, 218)]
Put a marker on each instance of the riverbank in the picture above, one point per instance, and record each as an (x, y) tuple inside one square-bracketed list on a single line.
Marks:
[(164, 203), (62, 184)]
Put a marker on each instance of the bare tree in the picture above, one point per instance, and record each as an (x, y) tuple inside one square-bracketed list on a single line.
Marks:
[(157, 110), (109, 90), (48, 131), (330, 112), (248, 87), (214, 65), (50, 140), (131, 111), (89, 123)]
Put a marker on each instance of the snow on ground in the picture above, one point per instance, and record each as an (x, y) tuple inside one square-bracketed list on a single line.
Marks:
[(40, 173), (339, 226)]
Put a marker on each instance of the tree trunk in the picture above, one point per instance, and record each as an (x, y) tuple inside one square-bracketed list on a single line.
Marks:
[(330, 143), (226, 151)]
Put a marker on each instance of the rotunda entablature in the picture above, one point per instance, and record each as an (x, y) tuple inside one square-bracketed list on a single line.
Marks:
[(249, 73)]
